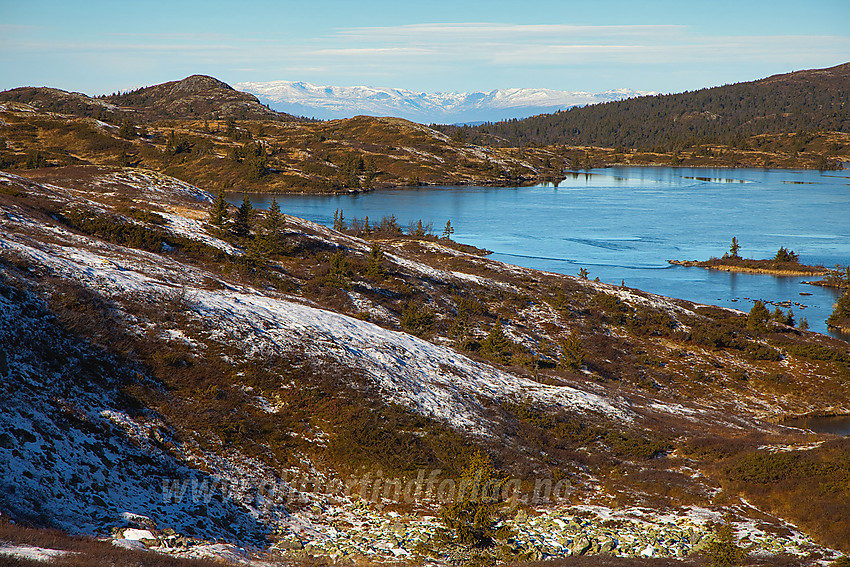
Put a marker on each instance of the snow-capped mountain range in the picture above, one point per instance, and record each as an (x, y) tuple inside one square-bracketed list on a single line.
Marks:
[(330, 102)]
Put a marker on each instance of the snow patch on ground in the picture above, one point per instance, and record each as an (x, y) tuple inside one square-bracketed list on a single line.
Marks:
[(194, 230), (30, 552), (159, 185)]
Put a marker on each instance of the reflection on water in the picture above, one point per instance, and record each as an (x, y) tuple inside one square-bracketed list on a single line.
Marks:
[(717, 179), (625, 223), (835, 424)]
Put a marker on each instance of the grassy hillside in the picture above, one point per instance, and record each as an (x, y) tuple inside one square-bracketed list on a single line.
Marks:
[(266, 155)]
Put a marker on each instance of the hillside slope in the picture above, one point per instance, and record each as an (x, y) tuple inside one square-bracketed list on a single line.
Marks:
[(802, 101), (263, 155), (279, 375), (195, 97)]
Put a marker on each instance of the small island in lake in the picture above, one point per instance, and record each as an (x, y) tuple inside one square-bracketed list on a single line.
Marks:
[(785, 263)]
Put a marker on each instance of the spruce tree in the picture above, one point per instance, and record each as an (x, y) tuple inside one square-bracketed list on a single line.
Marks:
[(473, 518), (448, 231), (339, 220), (723, 550), (219, 214), (242, 220), (496, 345), (758, 318), (273, 228), (840, 316), (374, 263), (127, 130), (734, 248)]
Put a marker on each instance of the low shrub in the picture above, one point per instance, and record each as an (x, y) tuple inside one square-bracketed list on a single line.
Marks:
[(816, 352), (759, 351), (417, 320), (496, 345)]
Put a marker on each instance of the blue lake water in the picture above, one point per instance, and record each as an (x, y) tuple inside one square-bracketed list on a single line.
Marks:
[(623, 224), (835, 424)]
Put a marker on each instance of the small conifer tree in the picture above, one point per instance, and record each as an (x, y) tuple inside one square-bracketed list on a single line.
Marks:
[(496, 345), (243, 217), (786, 255), (758, 318), (572, 353), (723, 550), (339, 271), (339, 220), (734, 248), (840, 316), (448, 231), (473, 518), (127, 130), (219, 214), (273, 228), (374, 264), (417, 320)]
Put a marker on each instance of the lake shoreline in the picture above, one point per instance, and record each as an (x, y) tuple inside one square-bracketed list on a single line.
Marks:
[(623, 224), (527, 181)]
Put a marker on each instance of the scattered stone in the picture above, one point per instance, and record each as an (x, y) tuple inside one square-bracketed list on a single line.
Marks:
[(581, 546)]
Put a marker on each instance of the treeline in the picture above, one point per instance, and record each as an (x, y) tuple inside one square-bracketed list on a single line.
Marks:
[(797, 102)]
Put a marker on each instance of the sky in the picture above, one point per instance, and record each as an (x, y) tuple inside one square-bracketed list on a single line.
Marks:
[(100, 47)]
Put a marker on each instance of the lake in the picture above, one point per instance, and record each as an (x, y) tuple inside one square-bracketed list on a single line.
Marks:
[(835, 424), (624, 223)]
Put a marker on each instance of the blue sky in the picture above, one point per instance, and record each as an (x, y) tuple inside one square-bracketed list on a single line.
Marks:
[(438, 45)]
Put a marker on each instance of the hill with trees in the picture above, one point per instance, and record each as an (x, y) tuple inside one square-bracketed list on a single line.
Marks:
[(802, 101)]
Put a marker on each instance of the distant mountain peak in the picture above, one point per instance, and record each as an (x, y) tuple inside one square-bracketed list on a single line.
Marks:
[(330, 102)]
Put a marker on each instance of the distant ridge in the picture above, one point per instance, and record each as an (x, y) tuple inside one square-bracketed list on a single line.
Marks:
[(195, 97), (810, 100), (332, 102)]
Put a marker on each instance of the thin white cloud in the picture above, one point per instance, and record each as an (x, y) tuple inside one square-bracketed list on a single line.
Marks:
[(489, 29), (372, 51)]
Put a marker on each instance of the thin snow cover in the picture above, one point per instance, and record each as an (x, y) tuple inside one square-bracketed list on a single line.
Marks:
[(109, 267), (650, 300), (224, 552), (30, 552), (129, 544), (442, 275), (194, 230), (431, 379), (71, 465), (790, 448), (157, 184), (677, 409)]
